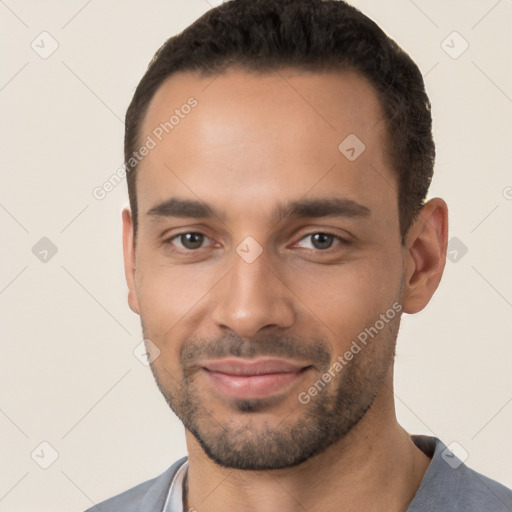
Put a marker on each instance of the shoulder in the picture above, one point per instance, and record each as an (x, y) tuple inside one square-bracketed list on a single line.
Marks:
[(486, 493), (450, 485), (477, 492), (146, 496)]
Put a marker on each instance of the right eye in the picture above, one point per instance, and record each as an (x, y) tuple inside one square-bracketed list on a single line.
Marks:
[(188, 241)]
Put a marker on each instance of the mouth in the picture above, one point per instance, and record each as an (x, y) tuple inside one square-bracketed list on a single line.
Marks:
[(246, 379)]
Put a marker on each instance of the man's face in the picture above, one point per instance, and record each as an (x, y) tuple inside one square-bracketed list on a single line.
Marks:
[(263, 252)]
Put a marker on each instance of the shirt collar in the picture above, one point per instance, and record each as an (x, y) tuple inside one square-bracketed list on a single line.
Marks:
[(174, 500)]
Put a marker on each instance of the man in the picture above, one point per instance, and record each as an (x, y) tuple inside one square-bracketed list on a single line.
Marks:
[(279, 153)]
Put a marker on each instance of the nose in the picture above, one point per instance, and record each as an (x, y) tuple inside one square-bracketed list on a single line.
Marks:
[(253, 297)]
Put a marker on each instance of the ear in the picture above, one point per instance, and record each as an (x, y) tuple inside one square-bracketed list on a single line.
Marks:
[(129, 260), (425, 257)]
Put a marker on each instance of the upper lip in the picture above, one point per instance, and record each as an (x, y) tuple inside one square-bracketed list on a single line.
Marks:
[(237, 366)]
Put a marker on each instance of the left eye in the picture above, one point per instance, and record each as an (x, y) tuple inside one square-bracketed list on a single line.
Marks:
[(318, 241), (189, 241)]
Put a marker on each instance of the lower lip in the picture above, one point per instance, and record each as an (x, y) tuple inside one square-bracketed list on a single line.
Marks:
[(253, 386)]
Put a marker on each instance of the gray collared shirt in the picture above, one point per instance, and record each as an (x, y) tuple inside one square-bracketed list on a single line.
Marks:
[(447, 486), (177, 490)]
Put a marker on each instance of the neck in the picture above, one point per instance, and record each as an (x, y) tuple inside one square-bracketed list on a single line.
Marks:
[(375, 467)]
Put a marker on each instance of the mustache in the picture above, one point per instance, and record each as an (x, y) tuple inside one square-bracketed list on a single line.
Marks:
[(231, 345)]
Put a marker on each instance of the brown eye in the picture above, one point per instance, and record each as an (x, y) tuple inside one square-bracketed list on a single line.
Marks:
[(319, 241), (190, 240), (322, 240)]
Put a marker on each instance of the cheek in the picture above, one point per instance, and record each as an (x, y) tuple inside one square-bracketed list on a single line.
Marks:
[(169, 294), (347, 298)]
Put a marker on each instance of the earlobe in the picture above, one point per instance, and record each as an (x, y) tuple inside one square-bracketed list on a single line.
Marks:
[(129, 260), (425, 257)]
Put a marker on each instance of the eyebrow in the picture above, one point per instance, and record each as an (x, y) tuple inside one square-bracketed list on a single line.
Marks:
[(328, 207), (181, 208)]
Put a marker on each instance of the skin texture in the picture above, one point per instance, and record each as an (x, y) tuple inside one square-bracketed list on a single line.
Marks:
[(255, 143)]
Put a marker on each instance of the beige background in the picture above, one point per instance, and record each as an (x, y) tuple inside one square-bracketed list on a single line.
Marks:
[(68, 376)]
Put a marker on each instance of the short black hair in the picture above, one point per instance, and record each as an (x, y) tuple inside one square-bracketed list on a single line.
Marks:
[(313, 35)]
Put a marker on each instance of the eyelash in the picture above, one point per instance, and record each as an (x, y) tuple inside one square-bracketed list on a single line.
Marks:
[(170, 241), (340, 240)]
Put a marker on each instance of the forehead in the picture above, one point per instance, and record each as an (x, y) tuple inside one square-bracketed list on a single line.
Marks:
[(252, 138)]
